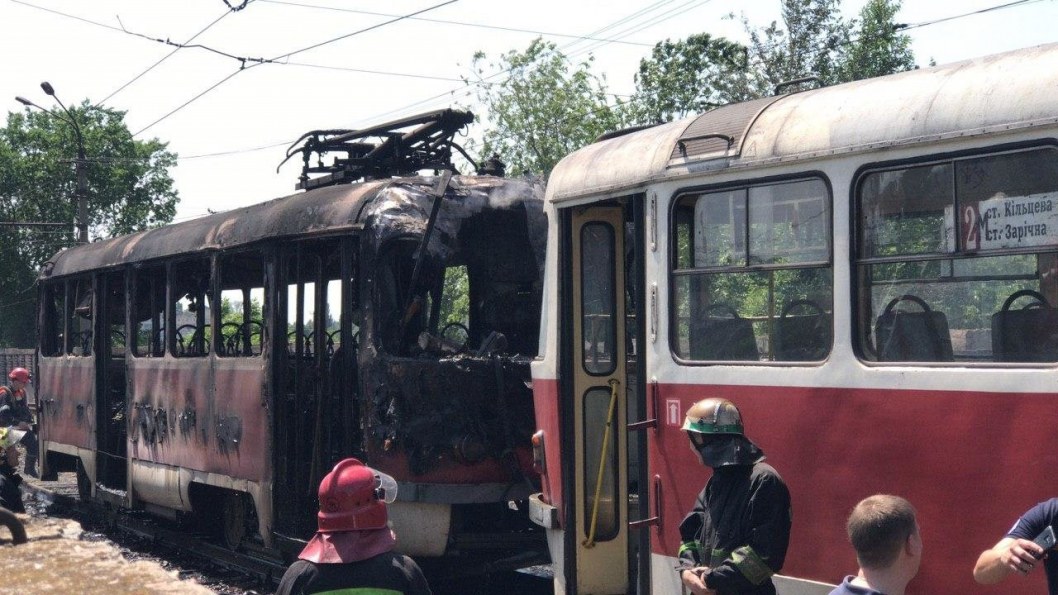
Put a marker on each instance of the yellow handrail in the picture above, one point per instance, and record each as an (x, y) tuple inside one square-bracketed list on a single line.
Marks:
[(590, 541)]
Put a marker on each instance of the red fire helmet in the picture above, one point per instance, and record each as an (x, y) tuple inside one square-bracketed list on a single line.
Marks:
[(353, 497), (20, 374)]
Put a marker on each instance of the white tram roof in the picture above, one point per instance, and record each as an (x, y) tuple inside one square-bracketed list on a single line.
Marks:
[(995, 93)]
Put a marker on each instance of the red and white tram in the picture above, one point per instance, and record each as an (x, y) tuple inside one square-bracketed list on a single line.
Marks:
[(869, 271)]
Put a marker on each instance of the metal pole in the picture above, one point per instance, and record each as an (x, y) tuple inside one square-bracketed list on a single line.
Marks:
[(82, 194), (80, 166), (82, 173)]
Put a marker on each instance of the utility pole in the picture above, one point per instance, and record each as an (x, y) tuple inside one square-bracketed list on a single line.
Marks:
[(79, 166)]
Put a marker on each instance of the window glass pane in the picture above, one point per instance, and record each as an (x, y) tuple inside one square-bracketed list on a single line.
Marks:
[(598, 320), (789, 223), (149, 312), (730, 312), (719, 237), (190, 297), (241, 305), (966, 316), (975, 306), (908, 211), (718, 316), (596, 450), (1008, 201)]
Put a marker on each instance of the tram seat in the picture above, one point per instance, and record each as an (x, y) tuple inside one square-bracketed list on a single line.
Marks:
[(803, 337), (908, 336), (1029, 334), (728, 337)]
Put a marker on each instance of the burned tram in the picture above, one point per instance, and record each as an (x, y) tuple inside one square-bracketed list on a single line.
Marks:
[(216, 369)]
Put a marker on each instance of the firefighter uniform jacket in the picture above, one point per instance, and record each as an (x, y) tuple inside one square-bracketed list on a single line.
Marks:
[(18, 408), (388, 573), (739, 528)]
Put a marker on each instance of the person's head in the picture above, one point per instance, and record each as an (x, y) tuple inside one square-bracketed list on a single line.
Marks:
[(884, 532), (717, 435), (352, 520), (19, 377)]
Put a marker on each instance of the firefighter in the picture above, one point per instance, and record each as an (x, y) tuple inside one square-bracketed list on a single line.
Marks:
[(10, 494), (735, 538), (14, 412), (353, 549)]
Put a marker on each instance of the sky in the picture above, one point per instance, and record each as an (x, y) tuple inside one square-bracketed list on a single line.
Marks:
[(356, 63)]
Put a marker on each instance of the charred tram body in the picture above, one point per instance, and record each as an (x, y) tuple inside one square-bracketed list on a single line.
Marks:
[(216, 369)]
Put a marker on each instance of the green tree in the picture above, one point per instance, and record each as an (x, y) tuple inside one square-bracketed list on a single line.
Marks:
[(878, 49), (688, 76), (129, 189), (541, 108)]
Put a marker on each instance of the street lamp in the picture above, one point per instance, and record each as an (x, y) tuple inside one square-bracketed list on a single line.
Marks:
[(80, 164)]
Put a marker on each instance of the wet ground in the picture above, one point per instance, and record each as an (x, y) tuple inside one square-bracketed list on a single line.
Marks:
[(68, 552), (60, 557)]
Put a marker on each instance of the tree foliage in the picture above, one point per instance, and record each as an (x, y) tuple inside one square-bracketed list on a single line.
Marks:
[(542, 107), (690, 75), (129, 189)]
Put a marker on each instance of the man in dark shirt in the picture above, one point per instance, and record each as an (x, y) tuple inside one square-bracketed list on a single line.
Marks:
[(884, 532), (1017, 553), (735, 537), (353, 550)]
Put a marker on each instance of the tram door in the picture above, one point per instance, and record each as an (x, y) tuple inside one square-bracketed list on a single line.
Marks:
[(316, 371), (600, 538), (111, 410)]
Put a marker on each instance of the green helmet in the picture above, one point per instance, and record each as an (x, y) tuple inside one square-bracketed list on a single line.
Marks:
[(713, 416)]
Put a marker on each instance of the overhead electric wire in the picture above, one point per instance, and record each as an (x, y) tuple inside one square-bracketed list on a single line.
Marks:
[(589, 37), (652, 21), (466, 91), (450, 22), (169, 55), (967, 14), (190, 101), (287, 55), (364, 30)]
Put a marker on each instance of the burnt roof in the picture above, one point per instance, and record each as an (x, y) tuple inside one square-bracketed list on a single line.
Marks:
[(332, 209)]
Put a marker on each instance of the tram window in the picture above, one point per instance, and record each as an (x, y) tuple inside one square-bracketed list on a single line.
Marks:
[(332, 321), (114, 317), (958, 260), (600, 446), (53, 306), (405, 310), (79, 318), (241, 305), (455, 297), (598, 318), (752, 274), (148, 314), (190, 287), (313, 300)]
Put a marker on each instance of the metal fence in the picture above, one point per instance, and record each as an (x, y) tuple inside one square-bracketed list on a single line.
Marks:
[(19, 358)]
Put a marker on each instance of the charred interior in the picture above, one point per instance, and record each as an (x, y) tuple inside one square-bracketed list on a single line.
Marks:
[(220, 367)]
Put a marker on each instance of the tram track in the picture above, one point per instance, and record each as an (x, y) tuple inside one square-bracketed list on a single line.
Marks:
[(250, 569), (191, 554)]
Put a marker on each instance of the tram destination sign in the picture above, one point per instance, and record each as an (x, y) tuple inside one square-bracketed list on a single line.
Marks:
[(1011, 222)]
